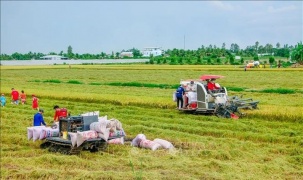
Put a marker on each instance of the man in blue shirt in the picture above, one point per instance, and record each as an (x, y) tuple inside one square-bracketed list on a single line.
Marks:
[(38, 118), (179, 95)]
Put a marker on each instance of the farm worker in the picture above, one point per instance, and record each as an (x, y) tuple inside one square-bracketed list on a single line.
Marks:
[(59, 113), (23, 97), (3, 100), (179, 95), (15, 96), (191, 86), (38, 118), (212, 86), (35, 102)]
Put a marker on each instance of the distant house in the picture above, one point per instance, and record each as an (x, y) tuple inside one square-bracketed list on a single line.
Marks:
[(148, 51), (238, 57), (266, 54), (126, 54), (53, 57)]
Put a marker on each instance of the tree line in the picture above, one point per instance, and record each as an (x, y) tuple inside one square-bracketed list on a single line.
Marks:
[(203, 55)]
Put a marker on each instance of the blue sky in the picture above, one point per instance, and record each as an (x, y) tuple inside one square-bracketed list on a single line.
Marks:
[(106, 26)]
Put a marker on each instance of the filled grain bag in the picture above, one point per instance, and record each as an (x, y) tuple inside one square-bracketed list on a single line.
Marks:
[(165, 144), (73, 138), (55, 125), (192, 97), (43, 132), (30, 131), (118, 133), (104, 135), (136, 141), (49, 132), (102, 118), (85, 135), (148, 144), (174, 97), (91, 113), (100, 126), (114, 125), (37, 131), (116, 141)]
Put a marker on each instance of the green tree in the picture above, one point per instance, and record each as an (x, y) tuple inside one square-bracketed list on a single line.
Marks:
[(136, 53), (297, 53), (271, 60), (70, 52), (256, 58)]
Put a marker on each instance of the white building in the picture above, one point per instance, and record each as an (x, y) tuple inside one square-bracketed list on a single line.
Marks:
[(53, 57), (126, 54), (148, 51)]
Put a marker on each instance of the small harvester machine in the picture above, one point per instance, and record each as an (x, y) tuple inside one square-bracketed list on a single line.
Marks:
[(200, 100), (63, 144)]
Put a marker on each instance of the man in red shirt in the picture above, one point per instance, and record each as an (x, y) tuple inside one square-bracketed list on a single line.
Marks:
[(15, 96), (211, 86), (59, 113)]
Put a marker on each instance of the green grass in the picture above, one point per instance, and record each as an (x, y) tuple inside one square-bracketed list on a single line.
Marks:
[(279, 90), (265, 144), (74, 82), (52, 81)]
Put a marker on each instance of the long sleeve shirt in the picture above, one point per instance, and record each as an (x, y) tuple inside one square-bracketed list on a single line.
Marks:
[(38, 119)]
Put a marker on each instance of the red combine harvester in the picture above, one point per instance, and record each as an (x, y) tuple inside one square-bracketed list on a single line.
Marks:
[(198, 99)]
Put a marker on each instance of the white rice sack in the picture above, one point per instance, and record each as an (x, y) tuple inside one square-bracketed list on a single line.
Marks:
[(100, 126), (30, 132), (55, 125), (118, 124), (73, 138), (148, 144), (118, 133), (114, 124), (85, 135), (43, 133), (91, 113), (52, 133), (103, 118), (136, 141), (116, 141), (111, 125), (192, 97), (174, 97), (37, 131), (104, 135), (165, 144)]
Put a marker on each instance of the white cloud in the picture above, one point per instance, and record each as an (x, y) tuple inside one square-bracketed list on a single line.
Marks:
[(272, 9), (222, 5)]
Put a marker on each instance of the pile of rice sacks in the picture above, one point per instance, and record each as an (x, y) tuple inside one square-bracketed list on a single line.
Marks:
[(141, 141), (41, 132)]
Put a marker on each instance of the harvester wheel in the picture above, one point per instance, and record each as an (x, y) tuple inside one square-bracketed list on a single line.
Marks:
[(53, 148), (94, 149), (64, 150), (45, 145), (103, 146)]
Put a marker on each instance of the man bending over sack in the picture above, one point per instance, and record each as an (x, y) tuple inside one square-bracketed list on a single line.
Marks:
[(38, 118)]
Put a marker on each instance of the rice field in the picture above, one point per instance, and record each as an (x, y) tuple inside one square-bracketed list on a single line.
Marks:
[(265, 144)]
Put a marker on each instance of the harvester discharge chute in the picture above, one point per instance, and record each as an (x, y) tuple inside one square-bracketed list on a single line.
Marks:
[(199, 99)]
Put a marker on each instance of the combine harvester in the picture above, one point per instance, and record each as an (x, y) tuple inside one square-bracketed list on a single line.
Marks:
[(200, 100)]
